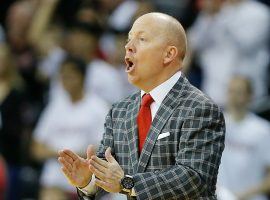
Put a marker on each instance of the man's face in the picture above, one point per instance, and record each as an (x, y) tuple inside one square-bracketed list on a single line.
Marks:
[(72, 80), (81, 44), (18, 21), (145, 52)]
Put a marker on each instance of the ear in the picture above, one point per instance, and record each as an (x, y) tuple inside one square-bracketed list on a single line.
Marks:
[(170, 54)]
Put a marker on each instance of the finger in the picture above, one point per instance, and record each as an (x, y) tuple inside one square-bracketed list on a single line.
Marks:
[(61, 153), (65, 163), (97, 166), (98, 174), (67, 158), (108, 155), (66, 172), (68, 175), (90, 151), (100, 161), (71, 154)]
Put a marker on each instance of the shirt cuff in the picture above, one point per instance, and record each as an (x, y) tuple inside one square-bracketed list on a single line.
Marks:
[(133, 193), (91, 188)]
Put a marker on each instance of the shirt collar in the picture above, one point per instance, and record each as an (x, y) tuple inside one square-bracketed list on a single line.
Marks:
[(160, 92)]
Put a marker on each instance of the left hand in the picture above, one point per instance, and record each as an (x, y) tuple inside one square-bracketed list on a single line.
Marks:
[(76, 168), (108, 173)]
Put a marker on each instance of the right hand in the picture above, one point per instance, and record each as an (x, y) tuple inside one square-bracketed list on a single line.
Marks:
[(76, 168)]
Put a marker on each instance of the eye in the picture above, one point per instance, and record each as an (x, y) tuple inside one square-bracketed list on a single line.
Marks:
[(142, 39)]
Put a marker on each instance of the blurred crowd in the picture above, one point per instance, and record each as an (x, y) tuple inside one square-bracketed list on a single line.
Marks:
[(62, 66)]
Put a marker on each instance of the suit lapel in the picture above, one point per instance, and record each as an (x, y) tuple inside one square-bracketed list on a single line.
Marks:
[(132, 130), (164, 112)]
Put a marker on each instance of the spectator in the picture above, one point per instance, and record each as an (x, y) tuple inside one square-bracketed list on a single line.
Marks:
[(226, 43), (81, 40), (18, 21), (11, 120), (245, 163), (12, 138), (73, 120)]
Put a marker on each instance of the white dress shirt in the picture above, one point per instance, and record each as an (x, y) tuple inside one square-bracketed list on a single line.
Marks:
[(160, 92)]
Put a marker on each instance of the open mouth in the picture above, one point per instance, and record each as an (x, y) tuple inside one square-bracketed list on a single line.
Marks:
[(129, 65)]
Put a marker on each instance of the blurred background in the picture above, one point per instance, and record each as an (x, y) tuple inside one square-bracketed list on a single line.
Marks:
[(62, 66)]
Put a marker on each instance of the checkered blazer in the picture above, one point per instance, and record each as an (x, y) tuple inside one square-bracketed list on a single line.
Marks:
[(183, 165)]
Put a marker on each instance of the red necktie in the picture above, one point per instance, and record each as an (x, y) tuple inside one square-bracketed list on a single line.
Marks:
[(144, 119)]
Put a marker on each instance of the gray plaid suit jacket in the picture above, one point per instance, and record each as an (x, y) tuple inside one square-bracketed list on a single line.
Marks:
[(183, 165)]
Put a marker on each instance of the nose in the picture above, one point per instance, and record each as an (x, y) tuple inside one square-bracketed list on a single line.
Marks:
[(130, 47)]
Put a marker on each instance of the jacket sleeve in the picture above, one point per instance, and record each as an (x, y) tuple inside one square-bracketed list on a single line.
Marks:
[(196, 165), (82, 196)]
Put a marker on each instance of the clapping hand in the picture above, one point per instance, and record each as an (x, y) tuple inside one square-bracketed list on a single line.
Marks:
[(75, 168), (108, 172)]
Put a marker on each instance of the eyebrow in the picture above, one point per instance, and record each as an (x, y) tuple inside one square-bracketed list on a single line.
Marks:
[(140, 32)]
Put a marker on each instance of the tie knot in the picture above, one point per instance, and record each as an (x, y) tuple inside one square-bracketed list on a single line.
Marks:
[(147, 100)]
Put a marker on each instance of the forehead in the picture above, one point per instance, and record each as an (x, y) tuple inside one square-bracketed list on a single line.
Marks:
[(146, 25), (67, 66), (238, 83)]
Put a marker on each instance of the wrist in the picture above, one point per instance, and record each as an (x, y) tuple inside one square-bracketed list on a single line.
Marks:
[(127, 185), (90, 188), (86, 183)]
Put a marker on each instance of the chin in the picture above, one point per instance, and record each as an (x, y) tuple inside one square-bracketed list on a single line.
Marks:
[(133, 80)]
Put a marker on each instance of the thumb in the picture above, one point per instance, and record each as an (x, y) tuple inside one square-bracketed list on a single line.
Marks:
[(108, 155), (91, 150)]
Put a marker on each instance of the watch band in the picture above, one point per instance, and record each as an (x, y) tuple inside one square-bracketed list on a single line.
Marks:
[(126, 191)]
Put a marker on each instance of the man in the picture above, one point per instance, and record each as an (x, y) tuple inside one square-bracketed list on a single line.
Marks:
[(245, 164), (180, 155), (56, 128), (225, 44)]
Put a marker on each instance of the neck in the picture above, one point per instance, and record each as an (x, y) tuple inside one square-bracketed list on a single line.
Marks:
[(238, 114), (77, 96), (150, 85)]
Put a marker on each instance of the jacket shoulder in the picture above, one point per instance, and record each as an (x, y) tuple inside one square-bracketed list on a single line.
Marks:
[(195, 98), (126, 101)]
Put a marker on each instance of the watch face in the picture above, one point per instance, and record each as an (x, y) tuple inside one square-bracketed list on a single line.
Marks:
[(127, 182)]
